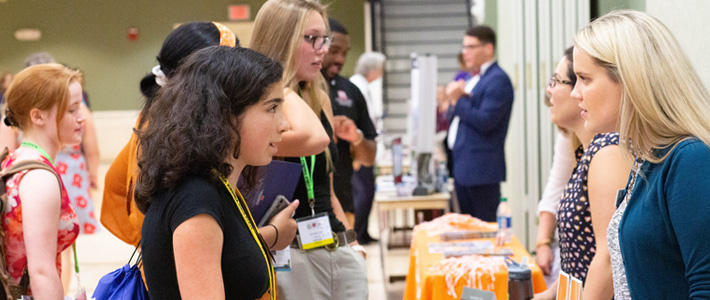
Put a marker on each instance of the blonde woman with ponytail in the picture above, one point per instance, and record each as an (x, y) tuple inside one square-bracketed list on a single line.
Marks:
[(658, 238), (294, 32), (281, 43)]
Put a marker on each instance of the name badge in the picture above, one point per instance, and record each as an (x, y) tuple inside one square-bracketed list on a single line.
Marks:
[(282, 259), (314, 231)]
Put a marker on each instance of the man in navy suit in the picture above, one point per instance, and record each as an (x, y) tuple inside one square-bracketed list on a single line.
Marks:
[(482, 104)]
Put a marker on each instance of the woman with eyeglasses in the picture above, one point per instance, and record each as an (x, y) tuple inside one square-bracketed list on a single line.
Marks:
[(323, 263), (588, 200), (563, 162)]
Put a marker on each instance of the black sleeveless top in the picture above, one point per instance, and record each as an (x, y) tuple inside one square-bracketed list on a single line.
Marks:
[(578, 244), (321, 182)]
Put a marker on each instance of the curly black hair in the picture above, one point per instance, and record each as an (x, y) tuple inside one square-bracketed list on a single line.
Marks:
[(191, 128)]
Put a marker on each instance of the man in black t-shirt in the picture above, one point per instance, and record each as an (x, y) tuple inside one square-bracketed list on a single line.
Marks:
[(351, 125)]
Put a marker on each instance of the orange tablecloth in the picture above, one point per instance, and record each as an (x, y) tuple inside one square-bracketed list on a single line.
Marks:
[(424, 283)]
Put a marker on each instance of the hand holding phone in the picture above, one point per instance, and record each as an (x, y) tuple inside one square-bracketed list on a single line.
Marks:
[(279, 204), (285, 224)]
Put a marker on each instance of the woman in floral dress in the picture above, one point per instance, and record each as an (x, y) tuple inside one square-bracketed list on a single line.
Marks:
[(43, 103)]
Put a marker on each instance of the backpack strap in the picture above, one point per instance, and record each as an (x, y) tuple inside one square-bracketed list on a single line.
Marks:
[(27, 165), (8, 290)]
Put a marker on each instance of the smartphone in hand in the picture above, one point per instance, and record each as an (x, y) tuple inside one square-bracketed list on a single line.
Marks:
[(277, 206)]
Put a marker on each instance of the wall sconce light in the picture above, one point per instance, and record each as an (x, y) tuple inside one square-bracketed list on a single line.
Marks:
[(28, 34)]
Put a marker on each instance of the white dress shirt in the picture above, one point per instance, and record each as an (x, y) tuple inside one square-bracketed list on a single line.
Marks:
[(468, 89)]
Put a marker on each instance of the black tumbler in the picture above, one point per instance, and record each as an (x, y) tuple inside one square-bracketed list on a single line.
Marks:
[(519, 282)]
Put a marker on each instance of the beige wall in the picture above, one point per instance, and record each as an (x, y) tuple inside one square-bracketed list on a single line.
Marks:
[(688, 20), (92, 36), (605, 6)]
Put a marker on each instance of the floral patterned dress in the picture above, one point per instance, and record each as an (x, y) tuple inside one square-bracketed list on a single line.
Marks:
[(15, 253), (577, 241), (71, 166)]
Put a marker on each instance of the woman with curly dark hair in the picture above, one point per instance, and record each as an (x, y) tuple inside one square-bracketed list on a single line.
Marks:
[(119, 213), (220, 113)]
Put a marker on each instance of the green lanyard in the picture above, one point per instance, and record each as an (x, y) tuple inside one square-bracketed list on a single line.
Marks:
[(308, 175), (308, 178), (76, 266), (76, 259), (38, 148)]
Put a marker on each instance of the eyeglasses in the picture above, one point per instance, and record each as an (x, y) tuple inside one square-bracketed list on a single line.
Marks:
[(318, 41), (554, 81), (471, 47)]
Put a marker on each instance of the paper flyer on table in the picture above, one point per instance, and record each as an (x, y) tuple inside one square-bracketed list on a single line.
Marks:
[(459, 246)]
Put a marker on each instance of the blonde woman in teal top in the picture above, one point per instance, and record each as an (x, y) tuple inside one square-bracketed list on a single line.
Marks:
[(659, 238)]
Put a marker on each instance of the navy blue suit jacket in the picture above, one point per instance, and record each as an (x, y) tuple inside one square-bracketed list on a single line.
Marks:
[(478, 153)]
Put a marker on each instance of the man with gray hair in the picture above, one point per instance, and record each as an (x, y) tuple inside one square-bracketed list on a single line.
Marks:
[(39, 58), (368, 74), (369, 68)]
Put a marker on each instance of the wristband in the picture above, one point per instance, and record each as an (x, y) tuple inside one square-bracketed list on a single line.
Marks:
[(546, 242), (359, 248), (277, 235)]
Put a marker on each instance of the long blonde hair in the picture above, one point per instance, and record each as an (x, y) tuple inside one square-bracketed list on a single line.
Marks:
[(663, 100), (278, 34)]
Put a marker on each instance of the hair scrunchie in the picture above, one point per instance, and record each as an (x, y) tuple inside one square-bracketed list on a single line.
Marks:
[(226, 36), (8, 120), (160, 77)]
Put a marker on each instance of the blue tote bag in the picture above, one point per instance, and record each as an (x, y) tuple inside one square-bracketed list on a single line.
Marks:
[(125, 283)]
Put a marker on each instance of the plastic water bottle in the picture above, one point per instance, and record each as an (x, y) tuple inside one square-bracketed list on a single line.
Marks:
[(505, 224), (442, 178)]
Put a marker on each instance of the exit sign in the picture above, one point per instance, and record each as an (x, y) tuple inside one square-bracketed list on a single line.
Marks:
[(239, 12)]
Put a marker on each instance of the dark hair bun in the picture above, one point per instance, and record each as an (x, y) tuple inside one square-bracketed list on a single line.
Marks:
[(148, 86), (9, 120)]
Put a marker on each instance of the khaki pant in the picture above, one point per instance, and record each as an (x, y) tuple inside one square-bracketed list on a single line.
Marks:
[(320, 274)]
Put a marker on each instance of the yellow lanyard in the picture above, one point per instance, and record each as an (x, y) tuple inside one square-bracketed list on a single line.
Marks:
[(246, 214)]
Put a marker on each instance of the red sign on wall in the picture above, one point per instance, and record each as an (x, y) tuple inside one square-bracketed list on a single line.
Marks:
[(239, 12), (132, 34)]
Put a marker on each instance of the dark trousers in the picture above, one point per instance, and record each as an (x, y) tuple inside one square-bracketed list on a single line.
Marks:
[(479, 201), (449, 156), (363, 194)]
